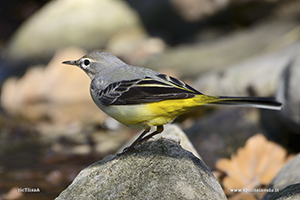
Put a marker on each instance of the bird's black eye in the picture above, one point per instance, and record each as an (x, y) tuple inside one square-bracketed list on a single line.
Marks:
[(86, 62)]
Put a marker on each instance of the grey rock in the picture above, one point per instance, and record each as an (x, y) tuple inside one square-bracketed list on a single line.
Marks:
[(288, 175), (88, 24), (286, 129), (174, 133), (291, 192), (258, 76), (223, 52), (227, 128), (171, 132), (289, 93), (195, 10), (178, 21), (275, 74), (155, 170)]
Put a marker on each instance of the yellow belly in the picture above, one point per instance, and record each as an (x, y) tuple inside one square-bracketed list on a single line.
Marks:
[(152, 114)]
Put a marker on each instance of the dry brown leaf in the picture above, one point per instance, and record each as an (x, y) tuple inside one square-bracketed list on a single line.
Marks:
[(58, 92), (13, 193), (254, 165), (242, 196)]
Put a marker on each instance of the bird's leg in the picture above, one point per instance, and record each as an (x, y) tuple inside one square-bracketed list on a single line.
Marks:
[(159, 129), (137, 141), (142, 139)]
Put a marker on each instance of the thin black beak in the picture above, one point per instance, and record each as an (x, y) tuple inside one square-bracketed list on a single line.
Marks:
[(72, 62)]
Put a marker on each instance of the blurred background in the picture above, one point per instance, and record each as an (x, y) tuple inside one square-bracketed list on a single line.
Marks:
[(49, 127)]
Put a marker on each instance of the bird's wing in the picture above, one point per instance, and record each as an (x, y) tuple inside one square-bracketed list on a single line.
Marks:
[(146, 90)]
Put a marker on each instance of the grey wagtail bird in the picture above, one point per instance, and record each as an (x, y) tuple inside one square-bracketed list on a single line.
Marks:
[(142, 98)]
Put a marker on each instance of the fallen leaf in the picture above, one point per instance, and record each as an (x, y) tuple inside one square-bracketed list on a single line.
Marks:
[(57, 92), (254, 165), (242, 196), (13, 193)]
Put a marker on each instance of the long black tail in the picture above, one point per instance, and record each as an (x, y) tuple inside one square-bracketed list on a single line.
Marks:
[(258, 102)]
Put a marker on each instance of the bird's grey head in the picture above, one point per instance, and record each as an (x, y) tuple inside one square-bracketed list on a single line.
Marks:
[(96, 61)]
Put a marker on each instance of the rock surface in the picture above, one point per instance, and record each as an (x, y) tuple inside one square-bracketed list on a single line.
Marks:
[(289, 93), (195, 10), (224, 51), (171, 132), (287, 176), (258, 76), (155, 170), (63, 23), (228, 128), (291, 192)]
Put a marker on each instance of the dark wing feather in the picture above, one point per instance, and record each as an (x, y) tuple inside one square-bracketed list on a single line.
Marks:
[(145, 90)]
